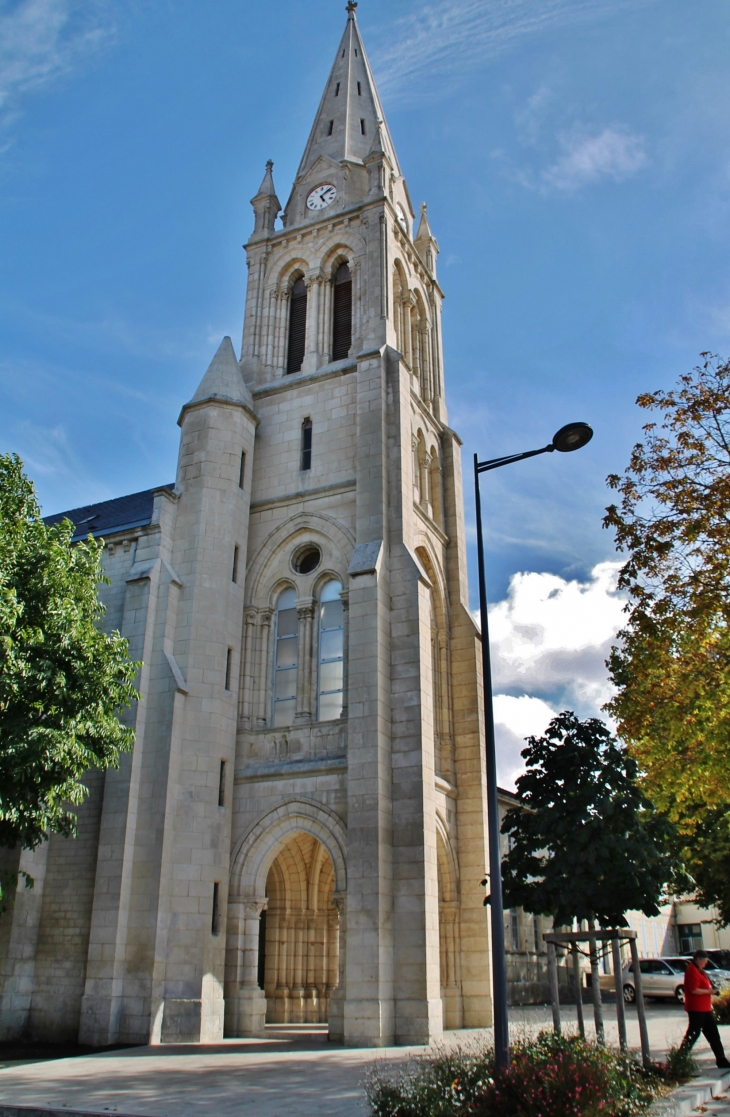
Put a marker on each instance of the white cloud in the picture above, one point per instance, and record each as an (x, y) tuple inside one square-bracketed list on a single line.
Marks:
[(41, 40), (514, 719), (550, 639), (615, 153), (448, 37)]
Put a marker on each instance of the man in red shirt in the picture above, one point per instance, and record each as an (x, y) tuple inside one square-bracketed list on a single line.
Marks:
[(698, 1003)]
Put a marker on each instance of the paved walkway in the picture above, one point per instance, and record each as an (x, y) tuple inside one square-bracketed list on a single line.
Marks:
[(293, 1072)]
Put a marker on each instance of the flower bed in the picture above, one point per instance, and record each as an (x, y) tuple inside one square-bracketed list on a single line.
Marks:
[(721, 1007), (551, 1076)]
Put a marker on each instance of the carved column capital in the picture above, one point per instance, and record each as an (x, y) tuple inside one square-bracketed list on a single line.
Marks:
[(339, 901), (252, 908), (305, 608)]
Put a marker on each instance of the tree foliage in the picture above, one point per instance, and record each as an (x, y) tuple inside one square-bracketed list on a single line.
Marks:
[(62, 680), (585, 843), (671, 667)]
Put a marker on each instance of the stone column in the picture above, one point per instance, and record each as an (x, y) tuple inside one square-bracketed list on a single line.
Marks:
[(265, 618), (345, 598), (249, 645), (313, 286), (270, 330), (327, 320), (305, 610), (424, 479), (282, 324), (447, 743), (250, 1014), (451, 972), (337, 1000)]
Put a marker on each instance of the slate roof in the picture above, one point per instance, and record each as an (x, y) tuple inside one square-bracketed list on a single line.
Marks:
[(109, 516)]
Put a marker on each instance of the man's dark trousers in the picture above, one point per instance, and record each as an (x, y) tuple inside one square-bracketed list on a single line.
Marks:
[(704, 1022)]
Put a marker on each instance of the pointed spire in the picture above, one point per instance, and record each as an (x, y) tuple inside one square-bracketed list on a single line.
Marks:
[(424, 229), (350, 113), (426, 242), (266, 205), (224, 379), (377, 147), (267, 186)]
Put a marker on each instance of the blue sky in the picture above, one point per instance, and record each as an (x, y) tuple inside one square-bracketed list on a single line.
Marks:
[(575, 158)]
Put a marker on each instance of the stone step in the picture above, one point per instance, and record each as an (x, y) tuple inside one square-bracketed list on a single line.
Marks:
[(683, 1101)]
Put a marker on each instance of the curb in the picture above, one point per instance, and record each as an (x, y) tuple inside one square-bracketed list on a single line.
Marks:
[(58, 1111), (683, 1101)]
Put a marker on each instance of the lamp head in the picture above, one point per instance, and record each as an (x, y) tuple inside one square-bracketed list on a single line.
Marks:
[(572, 436)]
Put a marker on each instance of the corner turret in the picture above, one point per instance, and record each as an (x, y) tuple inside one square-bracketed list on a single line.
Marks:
[(426, 242), (223, 380), (266, 205)]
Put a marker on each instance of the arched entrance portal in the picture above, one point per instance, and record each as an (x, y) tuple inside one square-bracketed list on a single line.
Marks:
[(300, 934), (282, 966)]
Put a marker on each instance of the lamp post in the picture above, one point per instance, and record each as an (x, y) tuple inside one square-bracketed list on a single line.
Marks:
[(568, 438)]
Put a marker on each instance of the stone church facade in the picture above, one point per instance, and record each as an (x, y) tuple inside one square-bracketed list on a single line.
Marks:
[(300, 832)]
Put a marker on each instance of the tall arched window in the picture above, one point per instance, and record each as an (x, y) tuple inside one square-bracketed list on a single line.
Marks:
[(331, 651), (286, 658), (342, 314), (297, 326)]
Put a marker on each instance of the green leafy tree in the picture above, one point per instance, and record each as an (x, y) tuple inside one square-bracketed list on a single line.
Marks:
[(585, 844), (63, 681), (671, 667)]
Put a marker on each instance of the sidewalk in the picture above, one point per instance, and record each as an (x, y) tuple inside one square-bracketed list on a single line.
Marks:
[(292, 1072)]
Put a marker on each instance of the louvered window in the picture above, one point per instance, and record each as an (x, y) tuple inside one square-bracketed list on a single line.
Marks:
[(342, 314), (297, 326)]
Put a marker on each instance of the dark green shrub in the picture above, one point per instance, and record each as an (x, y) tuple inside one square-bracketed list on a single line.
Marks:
[(679, 1065), (551, 1076), (554, 1076), (721, 1007), (434, 1086)]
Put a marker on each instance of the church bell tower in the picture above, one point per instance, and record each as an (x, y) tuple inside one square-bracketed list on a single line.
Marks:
[(356, 495)]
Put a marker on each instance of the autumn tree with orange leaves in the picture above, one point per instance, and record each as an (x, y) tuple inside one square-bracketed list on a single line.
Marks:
[(671, 667)]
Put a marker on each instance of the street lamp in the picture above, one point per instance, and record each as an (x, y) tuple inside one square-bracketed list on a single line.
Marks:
[(570, 437)]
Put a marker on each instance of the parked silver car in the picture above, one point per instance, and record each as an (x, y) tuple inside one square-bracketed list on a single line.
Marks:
[(663, 977), (719, 975)]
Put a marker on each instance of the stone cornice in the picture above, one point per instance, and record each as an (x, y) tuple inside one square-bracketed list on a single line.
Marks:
[(303, 494), (219, 401), (292, 380)]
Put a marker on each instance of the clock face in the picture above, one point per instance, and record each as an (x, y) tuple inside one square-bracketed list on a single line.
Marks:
[(402, 219), (322, 196)]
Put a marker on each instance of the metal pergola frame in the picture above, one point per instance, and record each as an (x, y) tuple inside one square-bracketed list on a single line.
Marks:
[(571, 940)]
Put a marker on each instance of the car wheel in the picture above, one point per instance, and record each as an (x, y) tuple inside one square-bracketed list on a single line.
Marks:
[(679, 994), (629, 994)]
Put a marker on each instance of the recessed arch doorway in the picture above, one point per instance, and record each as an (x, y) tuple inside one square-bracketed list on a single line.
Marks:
[(299, 942)]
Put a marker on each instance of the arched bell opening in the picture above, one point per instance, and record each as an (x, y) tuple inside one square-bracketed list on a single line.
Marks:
[(299, 943)]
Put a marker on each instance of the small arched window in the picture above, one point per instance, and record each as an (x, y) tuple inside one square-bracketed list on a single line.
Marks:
[(342, 314), (306, 455), (297, 326), (331, 651), (286, 658)]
